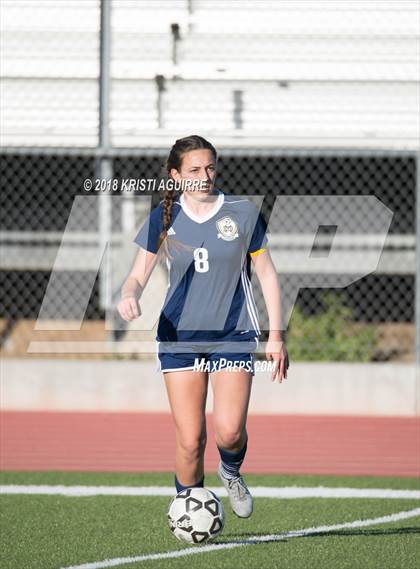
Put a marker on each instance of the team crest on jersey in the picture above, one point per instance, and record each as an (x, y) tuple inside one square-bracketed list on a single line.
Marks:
[(228, 230)]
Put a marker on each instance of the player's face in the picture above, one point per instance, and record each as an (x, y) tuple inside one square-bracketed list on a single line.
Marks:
[(198, 165)]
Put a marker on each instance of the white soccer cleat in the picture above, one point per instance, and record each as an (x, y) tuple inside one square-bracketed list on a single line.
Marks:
[(239, 495)]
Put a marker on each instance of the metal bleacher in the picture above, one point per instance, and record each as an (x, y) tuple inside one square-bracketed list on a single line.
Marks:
[(285, 73), (279, 74)]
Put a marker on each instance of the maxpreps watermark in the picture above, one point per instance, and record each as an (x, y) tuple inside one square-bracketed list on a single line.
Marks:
[(202, 364), (128, 185)]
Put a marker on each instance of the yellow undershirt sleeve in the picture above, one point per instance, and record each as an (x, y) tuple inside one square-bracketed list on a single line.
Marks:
[(257, 252)]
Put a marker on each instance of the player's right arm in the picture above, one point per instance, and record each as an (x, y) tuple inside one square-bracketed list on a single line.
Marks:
[(148, 240), (133, 287)]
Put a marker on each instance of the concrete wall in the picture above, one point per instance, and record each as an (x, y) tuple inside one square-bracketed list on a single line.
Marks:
[(312, 388)]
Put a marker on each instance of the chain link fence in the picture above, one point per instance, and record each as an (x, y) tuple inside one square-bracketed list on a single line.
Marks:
[(306, 102)]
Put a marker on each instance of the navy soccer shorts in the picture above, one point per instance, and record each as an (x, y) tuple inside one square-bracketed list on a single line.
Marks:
[(210, 360)]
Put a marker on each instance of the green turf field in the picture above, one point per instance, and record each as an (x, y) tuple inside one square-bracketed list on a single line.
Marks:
[(54, 531)]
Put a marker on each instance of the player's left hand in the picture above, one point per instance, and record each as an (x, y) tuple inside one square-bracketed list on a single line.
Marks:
[(277, 352)]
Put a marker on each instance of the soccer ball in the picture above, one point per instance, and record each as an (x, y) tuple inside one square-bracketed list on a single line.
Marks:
[(196, 515)]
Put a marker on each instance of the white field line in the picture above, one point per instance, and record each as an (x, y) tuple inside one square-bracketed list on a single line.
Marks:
[(287, 492), (250, 541)]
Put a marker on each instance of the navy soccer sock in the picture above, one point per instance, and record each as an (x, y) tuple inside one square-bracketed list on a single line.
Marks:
[(232, 461), (180, 487)]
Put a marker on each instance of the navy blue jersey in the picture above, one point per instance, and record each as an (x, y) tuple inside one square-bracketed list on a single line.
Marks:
[(209, 295)]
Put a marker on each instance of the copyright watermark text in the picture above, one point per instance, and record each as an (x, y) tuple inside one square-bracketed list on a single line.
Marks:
[(141, 185)]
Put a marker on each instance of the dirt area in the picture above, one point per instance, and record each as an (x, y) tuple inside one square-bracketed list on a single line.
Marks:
[(19, 338), (396, 341)]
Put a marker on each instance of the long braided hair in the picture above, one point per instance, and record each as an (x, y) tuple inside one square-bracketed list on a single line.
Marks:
[(174, 160)]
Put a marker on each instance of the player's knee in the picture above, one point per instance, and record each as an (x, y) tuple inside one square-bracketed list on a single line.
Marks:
[(192, 447), (229, 438)]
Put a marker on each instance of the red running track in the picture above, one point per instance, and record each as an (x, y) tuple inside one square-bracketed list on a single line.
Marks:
[(294, 444)]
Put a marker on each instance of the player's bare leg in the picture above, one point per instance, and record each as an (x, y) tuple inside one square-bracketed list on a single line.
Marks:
[(231, 394), (187, 394), (232, 390)]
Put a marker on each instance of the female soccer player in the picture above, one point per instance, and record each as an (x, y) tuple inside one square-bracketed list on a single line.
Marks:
[(209, 321)]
